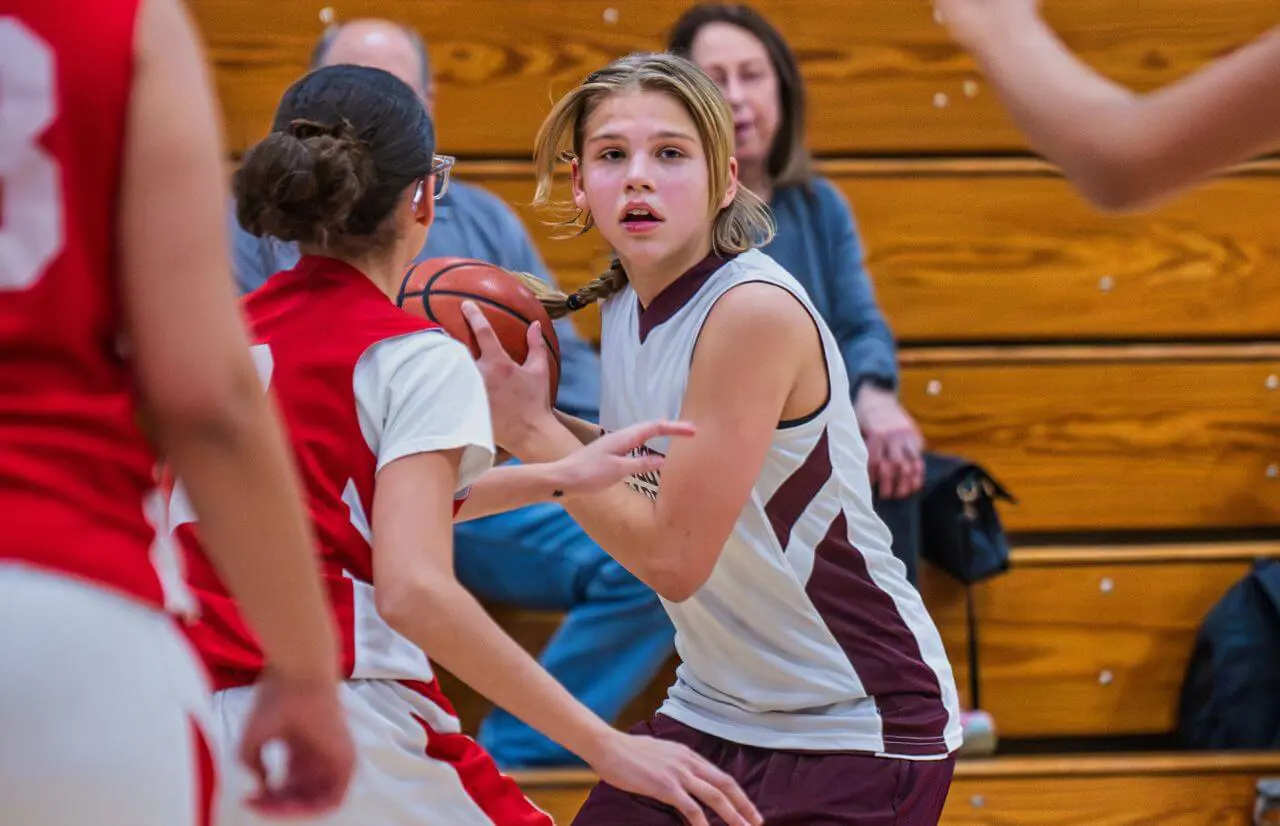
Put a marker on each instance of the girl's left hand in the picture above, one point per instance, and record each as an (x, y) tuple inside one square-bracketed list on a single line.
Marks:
[(616, 456), (519, 395)]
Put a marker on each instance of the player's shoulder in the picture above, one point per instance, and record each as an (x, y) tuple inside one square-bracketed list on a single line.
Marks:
[(759, 297), (423, 365), (428, 349)]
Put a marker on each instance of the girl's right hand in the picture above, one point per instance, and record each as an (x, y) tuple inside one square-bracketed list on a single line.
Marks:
[(305, 715), (677, 776), (519, 396)]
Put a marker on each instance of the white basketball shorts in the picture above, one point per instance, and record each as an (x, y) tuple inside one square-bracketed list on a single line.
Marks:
[(414, 766), (103, 709)]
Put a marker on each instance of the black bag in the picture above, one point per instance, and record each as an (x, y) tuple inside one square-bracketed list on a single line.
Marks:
[(961, 531), (1231, 690), (961, 534)]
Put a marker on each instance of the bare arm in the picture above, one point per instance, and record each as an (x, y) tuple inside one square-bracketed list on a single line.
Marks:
[(742, 382), (419, 596), (605, 462), (192, 356), (1121, 150), (507, 488)]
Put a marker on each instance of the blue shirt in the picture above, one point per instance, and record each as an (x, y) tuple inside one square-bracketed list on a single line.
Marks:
[(817, 242), (470, 223)]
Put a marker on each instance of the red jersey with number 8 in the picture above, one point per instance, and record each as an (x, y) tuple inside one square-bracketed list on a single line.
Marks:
[(76, 472)]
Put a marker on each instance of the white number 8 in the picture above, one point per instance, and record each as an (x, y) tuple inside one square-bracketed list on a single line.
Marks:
[(30, 185)]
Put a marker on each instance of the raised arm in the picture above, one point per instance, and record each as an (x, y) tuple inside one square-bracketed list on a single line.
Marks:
[(1122, 150), (206, 403), (745, 377)]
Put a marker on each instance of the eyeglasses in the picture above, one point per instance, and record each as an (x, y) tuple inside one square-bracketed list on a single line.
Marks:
[(441, 168)]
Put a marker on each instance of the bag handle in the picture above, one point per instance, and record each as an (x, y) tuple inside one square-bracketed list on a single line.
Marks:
[(967, 490)]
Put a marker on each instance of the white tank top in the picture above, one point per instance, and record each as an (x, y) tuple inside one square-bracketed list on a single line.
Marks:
[(807, 635)]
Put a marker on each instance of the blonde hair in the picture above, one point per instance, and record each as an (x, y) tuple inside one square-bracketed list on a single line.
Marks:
[(745, 223)]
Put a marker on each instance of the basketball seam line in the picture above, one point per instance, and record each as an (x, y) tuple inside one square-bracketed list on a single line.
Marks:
[(426, 306)]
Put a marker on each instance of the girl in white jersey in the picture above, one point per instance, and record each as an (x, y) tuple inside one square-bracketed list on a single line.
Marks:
[(810, 669)]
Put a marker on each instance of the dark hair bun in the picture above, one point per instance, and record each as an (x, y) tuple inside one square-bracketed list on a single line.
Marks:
[(302, 184)]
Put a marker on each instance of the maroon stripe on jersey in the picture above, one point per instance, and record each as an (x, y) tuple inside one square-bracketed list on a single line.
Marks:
[(798, 490), (879, 644)]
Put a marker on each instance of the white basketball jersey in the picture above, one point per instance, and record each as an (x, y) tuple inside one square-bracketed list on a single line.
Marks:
[(807, 635)]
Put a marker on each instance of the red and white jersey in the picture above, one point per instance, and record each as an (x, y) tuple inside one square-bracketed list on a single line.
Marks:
[(807, 635), (359, 384), (76, 473)]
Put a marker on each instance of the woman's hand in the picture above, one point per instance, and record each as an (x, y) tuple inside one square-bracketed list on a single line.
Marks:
[(895, 446), (613, 457), (519, 395)]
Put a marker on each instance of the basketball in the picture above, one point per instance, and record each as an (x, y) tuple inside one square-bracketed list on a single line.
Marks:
[(435, 289)]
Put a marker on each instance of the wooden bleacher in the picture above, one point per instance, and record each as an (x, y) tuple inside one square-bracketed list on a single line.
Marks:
[(874, 68), (1121, 375)]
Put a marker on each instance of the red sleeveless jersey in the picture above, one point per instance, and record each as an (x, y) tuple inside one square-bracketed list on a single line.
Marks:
[(311, 325), (76, 472)]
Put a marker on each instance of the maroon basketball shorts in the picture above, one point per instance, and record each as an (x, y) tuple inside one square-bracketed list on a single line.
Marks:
[(791, 788)]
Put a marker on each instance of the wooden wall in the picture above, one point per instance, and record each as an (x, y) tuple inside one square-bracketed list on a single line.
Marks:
[(875, 68)]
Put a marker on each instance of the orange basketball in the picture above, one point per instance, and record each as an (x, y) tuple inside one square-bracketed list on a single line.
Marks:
[(435, 289)]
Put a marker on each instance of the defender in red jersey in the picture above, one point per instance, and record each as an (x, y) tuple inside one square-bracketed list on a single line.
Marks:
[(114, 299), (390, 425)]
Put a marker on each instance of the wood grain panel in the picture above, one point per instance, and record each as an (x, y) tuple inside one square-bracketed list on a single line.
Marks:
[(882, 76), (1218, 799), (1007, 251), (1092, 650), (1003, 251), (1111, 444)]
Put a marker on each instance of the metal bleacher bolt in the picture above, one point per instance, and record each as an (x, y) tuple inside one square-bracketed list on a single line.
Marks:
[(611, 16), (1273, 471), (1105, 677), (971, 88), (977, 801), (934, 387), (1107, 585), (1273, 381), (940, 100), (1105, 283), (326, 15)]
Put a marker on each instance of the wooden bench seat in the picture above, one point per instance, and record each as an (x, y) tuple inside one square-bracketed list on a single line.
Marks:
[(1088, 642), (1192, 789), (1111, 438)]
